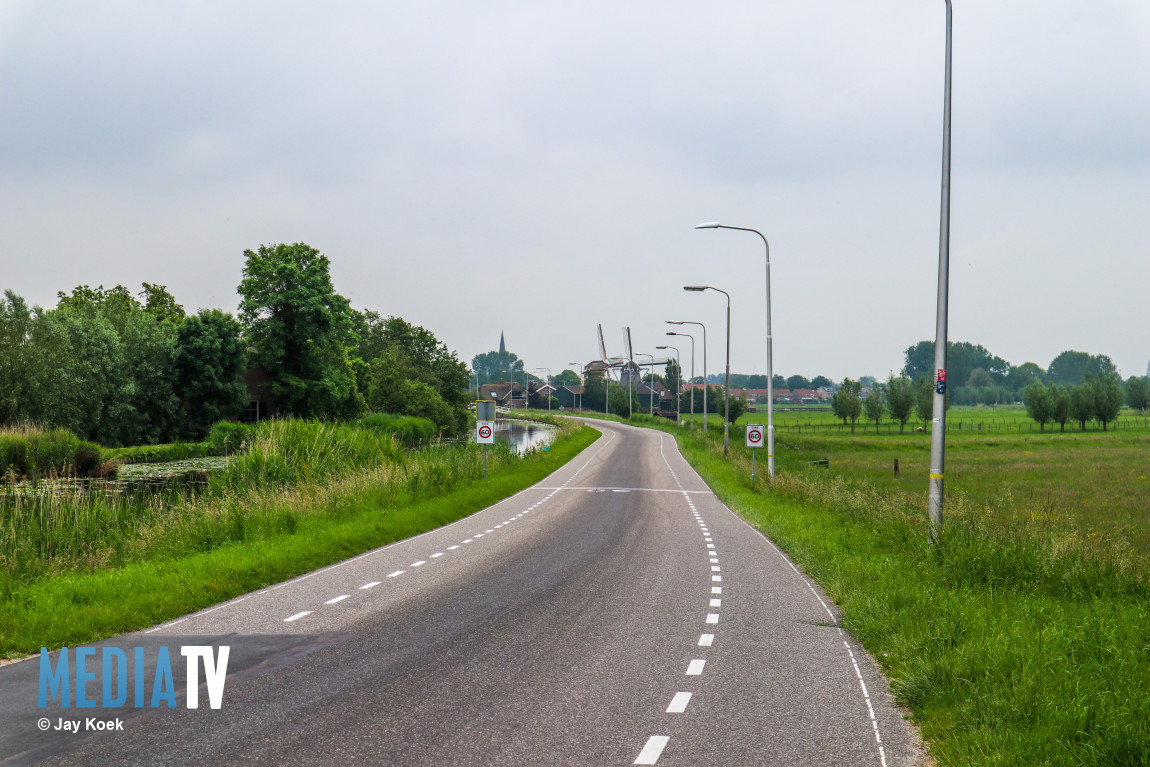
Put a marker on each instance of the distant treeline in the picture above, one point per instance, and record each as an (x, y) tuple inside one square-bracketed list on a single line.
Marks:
[(120, 368)]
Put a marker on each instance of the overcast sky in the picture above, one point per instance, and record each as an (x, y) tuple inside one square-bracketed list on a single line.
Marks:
[(537, 168)]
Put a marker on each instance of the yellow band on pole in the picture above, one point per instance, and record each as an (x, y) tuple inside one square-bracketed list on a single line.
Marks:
[(936, 476)]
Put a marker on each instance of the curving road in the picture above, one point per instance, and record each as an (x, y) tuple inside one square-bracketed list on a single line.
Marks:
[(616, 613)]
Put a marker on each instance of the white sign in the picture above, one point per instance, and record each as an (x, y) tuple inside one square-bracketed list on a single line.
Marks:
[(485, 432), (754, 435)]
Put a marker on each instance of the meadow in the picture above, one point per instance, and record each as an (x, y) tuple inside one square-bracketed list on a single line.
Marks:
[(1020, 638)]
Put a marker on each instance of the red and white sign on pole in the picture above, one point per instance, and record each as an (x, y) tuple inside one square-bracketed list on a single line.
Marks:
[(485, 432), (755, 435)]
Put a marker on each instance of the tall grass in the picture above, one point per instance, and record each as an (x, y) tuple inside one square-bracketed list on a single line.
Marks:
[(407, 430), (29, 451)]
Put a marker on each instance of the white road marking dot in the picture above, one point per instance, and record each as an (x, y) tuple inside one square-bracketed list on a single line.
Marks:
[(679, 703), (706, 640), (716, 578), (651, 751), (437, 554), (340, 598), (478, 535), (714, 560), (710, 545), (716, 603), (487, 531), (695, 667), (420, 562), (715, 569), (708, 539), (452, 548), (499, 526), (716, 589), (373, 584), (297, 616), (712, 617), (397, 572), (468, 540)]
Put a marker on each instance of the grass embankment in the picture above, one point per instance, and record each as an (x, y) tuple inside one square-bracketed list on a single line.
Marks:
[(303, 495), (1012, 642)]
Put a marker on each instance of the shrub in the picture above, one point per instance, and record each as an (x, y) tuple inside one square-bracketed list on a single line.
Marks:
[(27, 450), (228, 438), (408, 430)]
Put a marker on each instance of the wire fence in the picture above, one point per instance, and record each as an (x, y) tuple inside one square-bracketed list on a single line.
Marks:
[(986, 425)]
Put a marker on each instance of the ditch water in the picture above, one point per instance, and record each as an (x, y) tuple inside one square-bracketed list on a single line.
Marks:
[(524, 435)]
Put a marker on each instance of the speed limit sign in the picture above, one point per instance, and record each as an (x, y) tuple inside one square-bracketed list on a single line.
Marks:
[(485, 432), (754, 435)]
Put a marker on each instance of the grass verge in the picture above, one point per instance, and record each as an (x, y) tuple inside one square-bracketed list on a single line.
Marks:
[(1011, 643), (245, 541)]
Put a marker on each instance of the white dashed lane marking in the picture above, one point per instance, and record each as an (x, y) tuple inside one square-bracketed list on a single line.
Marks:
[(679, 703), (712, 617), (652, 750), (340, 598), (369, 585), (396, 573), (695, 667), (297, 616), (706, 640)]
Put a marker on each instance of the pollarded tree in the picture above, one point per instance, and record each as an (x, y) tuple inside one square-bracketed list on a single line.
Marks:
[(1108, 396), (209, 365), (300, 330), (1038, 403), (1082, 403), (846, 403), (1059, 404), (1138, 392), (900, 399), (1072, 367), (874, 406)]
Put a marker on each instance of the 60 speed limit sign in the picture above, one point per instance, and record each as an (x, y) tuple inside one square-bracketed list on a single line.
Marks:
[(755, 435), (485, 432)]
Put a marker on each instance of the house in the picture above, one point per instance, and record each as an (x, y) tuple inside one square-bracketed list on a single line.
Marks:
[(504, 394), (570, 396)]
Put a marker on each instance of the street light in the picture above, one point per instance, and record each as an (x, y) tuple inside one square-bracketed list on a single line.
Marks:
[(548, 383), (938, 432), (579, 406), (678, 421), (727, 384), (770, 362), (704, 327), (688, 335)]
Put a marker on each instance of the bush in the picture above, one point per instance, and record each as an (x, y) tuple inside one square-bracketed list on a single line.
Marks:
[(408, 430), (27, 450), (175, 451), (229, 438)]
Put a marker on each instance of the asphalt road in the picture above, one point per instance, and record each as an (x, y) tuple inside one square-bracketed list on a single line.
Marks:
[(616, 613)]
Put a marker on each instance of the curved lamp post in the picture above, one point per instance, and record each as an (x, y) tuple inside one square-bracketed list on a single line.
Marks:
[(688, 335), (704, 327), (727, 383), (581, 384), (650, 384), (679, 387), (770, 367), (548, 383)]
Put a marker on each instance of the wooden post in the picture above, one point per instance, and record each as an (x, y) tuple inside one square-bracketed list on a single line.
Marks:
[(896, 474)]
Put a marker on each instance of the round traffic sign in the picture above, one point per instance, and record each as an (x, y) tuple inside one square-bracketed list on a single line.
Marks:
[(754, 435), (484, 431)]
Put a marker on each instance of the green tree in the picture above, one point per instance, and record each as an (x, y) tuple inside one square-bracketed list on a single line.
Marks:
[(1138, 392), (846, 403), (1072, 367), (1059, 404), (494, 366), (1023, 375), (673, 377), (209, 363), (1039, 404), (962, 358), (818, 382), (594, 390), (17, 357), (924, 399), (900, 399), (161, 304), (565, 378), (874, 406), (1108, 397), (797, 382), (622, 401), (300, 331), (1082, 404)]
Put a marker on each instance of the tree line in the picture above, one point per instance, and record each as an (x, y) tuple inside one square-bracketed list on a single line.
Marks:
[(124, 368)]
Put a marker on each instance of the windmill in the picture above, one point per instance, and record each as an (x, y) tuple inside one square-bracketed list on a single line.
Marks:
[(625, 367)]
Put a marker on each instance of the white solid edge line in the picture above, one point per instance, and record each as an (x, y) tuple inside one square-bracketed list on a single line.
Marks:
[(652, 750), (297, 616), (340, 598), (679, 703), (706, 640)]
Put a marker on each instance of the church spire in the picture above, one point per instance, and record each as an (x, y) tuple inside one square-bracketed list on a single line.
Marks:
[(502, 346)]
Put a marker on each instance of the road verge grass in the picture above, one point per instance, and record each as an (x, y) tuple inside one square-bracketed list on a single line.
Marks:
[(1010, 643), (186, 557)]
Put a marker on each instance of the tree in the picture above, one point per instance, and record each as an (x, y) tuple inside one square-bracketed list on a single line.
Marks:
[(565, 378), (797, 382), (1081, 404), (924, 399), (494, 365), (594, 390), (1059, 404), (900, 399), (818, 382), (874, 406), (209, 364), (161, 304), (1039, 405), (673, 377), (300, 331), (622, 401), (1023, 375), (16, 357), (962, 357), (1071, 367), (1138, 392), (778, 382), (979, 378), (846, 403), (1108, 397)]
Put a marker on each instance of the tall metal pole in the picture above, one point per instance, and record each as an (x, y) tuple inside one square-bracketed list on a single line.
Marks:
[(938, 429), (678, 382), (770, 347), (582, 385), (650, 384), (727, 383), (688, 335), (704, 327)]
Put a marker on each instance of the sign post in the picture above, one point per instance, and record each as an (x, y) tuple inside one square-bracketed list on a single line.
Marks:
[(485, 427), (754, 442)]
